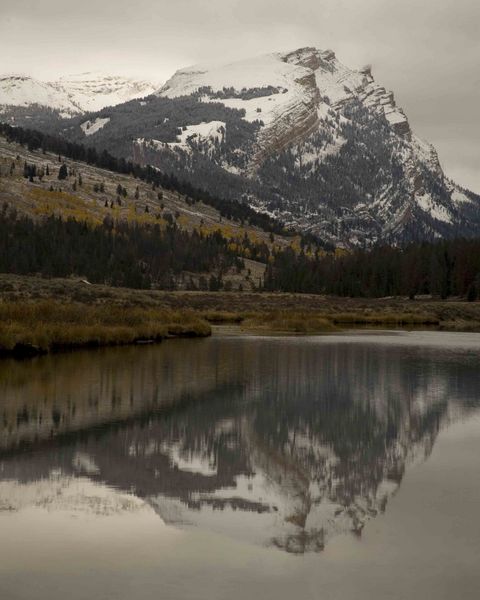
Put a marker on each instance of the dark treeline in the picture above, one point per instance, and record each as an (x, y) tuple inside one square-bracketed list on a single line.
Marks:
[(118, 254), (147, 256), (446, 268), (229, 209)]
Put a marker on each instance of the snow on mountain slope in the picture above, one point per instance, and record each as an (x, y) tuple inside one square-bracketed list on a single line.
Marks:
[(21, 90), (205, 134), (94, 91), (243, 74), (333, 153), (74, 94), (298, 135), (306, 87), (91, 127)]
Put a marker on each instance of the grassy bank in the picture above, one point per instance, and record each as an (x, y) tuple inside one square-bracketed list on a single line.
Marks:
[(29, 327), (120, 315), (310, 322), (287, 322)]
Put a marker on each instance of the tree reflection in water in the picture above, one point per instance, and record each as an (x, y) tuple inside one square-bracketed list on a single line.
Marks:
[(282, 442)]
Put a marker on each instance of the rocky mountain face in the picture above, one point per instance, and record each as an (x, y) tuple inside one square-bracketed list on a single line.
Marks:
[(332, 153), (317, 145)]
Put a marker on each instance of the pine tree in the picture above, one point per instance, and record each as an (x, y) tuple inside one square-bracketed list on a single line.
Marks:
[(472, 292), (63, 172)]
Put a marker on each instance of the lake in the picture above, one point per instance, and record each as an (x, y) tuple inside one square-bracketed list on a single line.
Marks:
[(242, 467)]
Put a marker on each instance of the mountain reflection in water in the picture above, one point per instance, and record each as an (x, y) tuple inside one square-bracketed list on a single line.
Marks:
[(278, 441)]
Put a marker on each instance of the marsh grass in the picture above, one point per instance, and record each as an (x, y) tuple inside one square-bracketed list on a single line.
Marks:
[(53, 325), (222, 316), (288, 322), (384, 318), (320, 322)]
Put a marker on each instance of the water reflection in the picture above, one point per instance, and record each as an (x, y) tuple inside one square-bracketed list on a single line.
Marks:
[(280, 442)]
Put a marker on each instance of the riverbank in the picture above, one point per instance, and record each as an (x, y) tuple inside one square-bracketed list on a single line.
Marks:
[(67, 313), (30, 327)]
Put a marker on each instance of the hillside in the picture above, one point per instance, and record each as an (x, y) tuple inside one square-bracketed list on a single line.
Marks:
[(30, 186)]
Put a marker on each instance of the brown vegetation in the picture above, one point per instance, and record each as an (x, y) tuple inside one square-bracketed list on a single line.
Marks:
[(35, 327), (288, 322), (55, 313)]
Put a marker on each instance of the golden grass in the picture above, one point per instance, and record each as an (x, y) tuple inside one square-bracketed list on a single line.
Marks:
[(52, 325), (294, 321), (384, 318), (289, 322), (222, 316)]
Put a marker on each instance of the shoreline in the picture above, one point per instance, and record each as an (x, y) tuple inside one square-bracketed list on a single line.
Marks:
[(39, 316)]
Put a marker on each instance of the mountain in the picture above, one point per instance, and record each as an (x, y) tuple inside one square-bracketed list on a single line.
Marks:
[(21, 91), (319, 146), (69, 95), (332, 151)]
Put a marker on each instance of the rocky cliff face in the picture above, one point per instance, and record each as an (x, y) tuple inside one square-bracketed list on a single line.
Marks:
[(333, 153), (308, 86)]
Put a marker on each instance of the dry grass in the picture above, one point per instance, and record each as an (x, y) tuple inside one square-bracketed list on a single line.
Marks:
[(296, 313), (52, 325), (311, 321), (222, 316), (288, 322), (384, 318)]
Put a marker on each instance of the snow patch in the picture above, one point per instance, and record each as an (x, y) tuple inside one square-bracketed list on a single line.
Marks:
[(91, 127), (205, 134), (459, 198), (436, 211)]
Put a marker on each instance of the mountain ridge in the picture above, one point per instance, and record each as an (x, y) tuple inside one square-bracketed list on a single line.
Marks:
[(71, 94), (298, 135)]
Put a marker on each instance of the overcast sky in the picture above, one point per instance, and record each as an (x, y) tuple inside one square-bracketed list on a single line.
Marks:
[(426, 51)]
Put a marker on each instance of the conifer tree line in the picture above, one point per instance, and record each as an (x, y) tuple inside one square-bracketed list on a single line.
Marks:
[(147, 256), (117, 254), (230, 209), (444, 269)]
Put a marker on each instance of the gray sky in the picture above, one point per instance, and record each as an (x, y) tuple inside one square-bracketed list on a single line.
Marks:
[(426, 51)]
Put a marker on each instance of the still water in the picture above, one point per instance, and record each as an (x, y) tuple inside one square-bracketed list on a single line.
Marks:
[(240, 467)]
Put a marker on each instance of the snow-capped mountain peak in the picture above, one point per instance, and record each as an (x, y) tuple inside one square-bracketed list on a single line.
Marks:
[(332, 152), (72, 94), (322, 147), (23, 90), (93, 91)]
